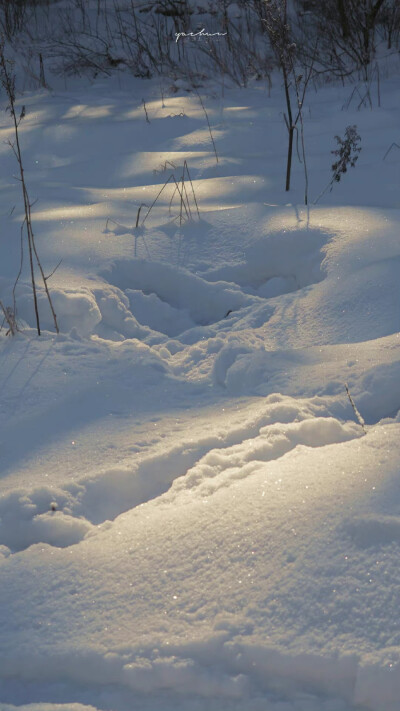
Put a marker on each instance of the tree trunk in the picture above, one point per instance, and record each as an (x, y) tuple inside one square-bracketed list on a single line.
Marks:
[(289, 157), (343, 19)]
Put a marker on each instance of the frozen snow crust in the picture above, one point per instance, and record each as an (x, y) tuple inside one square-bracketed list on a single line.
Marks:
[(191, 515)]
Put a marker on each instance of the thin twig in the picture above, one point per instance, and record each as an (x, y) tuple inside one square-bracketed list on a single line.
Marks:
[(185, 165), (20, 270), (394, 145), (145, 111), (12, 326), (171, 177), (138, 213), (54, 270), (356, 412), (209, 127)]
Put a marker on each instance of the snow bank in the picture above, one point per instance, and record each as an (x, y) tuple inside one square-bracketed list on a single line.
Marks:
[(378, 390), (219, 468), (184, 676), (278, 676)]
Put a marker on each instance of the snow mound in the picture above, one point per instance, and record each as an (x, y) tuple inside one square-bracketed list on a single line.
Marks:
[(117, 321), (278, 263), (379, 395), (103, 310), (240, 367), (75, 308)]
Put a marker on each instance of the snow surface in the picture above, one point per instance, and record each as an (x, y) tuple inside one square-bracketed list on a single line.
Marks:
[(191, 515)]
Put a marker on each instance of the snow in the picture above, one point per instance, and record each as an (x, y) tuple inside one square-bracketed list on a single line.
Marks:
[(191, 515)]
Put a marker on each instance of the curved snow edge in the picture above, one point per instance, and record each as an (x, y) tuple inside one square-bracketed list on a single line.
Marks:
[(223, 668)]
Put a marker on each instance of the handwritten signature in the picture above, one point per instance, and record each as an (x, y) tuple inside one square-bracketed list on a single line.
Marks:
[(200, 33)]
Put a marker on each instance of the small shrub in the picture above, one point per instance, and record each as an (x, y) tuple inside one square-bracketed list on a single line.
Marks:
[(347, 153), (346, 156)]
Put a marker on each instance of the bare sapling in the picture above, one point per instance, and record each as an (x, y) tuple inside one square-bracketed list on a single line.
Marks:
[(301, 84), (295, 82), (7, 79)]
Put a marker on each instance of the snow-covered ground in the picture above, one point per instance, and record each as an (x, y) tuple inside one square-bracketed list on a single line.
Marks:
[(192, 517)]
